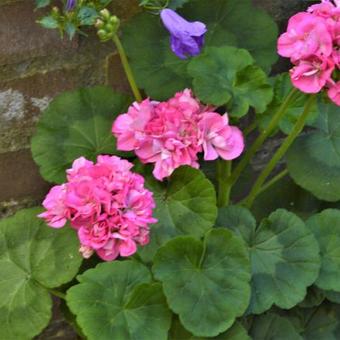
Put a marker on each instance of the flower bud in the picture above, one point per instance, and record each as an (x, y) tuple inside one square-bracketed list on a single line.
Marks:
[(105, 14)]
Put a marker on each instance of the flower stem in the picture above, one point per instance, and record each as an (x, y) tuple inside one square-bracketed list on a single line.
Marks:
[(271, 182), (57, 293), (298, 127), (223, 172), (127, 68), (262, 137)]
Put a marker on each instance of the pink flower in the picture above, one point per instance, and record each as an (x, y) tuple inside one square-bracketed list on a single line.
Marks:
[(220, 139), (312, 74), (57, 212), (334, 93), (324, 9), (306, 35), (106, 203), (169, 134)]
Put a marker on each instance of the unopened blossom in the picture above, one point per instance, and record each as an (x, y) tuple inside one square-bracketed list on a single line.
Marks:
[(186, 38), (106, 203), (172, 133)]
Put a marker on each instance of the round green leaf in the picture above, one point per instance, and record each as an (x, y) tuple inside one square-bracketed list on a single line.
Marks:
[(228, 23), (206, 283), (226, 75), (184, 205), (236, 332), (76, 124), (326, 229), (238, 219), (282, 86), (285, 261), (314, 159), (272, 326), (314, 297), (318, 323), (32, 257), (117, 300), (332, 296)]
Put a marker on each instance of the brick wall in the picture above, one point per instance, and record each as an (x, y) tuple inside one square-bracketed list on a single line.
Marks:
[(35, 65)]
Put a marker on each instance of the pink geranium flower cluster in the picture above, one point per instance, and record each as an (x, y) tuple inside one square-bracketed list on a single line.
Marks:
[(106, 203), (172, 133), (312, 41)]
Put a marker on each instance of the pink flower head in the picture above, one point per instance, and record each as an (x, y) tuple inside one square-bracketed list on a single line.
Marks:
[(312, 74), (171, 133), (107, 204), (312, 41), (220, 139), (334, 93), (306, 35)]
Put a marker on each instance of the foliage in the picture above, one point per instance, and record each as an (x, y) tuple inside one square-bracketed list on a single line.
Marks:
[(213, 268)]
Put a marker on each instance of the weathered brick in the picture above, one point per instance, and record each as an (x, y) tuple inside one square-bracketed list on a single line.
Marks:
[(22, 100), (22, 38), (19, 177)]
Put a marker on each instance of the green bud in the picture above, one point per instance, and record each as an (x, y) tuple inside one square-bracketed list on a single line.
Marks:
[(105, 14), (109, 28), (99, 23)]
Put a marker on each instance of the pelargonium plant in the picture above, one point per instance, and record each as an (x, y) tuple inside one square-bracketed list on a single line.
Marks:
[(161, 222)]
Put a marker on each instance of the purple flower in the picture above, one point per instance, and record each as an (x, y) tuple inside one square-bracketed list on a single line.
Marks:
[(187, 38), (70, 4)]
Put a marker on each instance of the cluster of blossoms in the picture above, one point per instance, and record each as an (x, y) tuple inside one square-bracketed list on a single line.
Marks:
[(106, 203), (312, 41), (172, 133)]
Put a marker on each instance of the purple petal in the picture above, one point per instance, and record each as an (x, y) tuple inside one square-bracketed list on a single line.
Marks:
[(187, 38), (70, 4)]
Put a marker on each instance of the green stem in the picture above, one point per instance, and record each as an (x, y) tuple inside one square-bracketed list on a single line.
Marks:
[(249, 129), (127, 68), (272, 181), (298, 127), (223, 172), (57, 293), (262, 137)]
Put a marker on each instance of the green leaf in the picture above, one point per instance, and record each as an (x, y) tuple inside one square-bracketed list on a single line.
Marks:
[(314, 158), (318, 323), (282, 86), (288, 195), (154, 64), (76, 124), (42, 3), (32, 257), (87, 16), (117, 300), (70, 29), (238, 219), (272, 326), (236, 332), (174, 4), (226, 75), (48, 22), (332, 296), (326, 229), (184, 205), (284, 257), (206, 283), (314, 297)]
